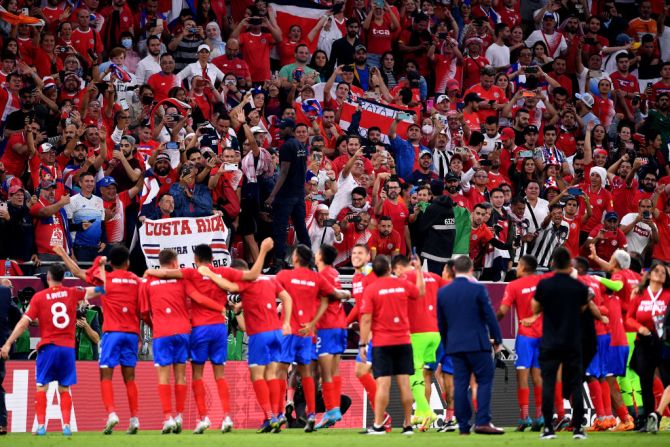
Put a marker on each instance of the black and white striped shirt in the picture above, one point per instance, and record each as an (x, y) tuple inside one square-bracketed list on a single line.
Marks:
[(546, 242)]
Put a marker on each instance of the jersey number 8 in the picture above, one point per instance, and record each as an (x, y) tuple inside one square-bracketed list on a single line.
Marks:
[(60, 318)]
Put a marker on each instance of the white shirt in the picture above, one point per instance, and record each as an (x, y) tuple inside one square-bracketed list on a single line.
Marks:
[(194, 69), (320, 235), (639, 236), (498, 55), (555, 41), (146, 67), (541, 210), (82, 209), (342, 198)]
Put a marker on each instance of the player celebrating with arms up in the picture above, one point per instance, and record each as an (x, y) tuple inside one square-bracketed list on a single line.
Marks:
[(55, 309)]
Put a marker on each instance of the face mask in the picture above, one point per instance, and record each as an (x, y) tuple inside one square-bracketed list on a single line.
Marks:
[(126, 43), (427, 129), (147, 100)]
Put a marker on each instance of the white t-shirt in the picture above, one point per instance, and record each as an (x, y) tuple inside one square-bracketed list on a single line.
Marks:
[(541, 210), (498, 55), (342, 198), (80, 209), (638, 237), (555, 42)]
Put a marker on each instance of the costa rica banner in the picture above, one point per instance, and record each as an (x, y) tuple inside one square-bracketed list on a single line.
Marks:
[(183, 234), (303, 13), (375, 114)]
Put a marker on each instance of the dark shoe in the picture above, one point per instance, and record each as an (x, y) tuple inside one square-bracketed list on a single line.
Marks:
[(407, 431), (375, 430), (489, 429), (548, 433), (3, 430), (578, 433)]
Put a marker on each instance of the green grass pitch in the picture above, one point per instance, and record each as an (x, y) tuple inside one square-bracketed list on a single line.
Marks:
[(329, 438)]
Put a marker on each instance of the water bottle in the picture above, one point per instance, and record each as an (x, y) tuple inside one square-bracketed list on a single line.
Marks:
[(8, 267)]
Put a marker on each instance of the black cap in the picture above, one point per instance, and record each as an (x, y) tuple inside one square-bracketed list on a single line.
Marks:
[(472, 97), (348, 69), (530, 129), (451, 177), (287, 122)]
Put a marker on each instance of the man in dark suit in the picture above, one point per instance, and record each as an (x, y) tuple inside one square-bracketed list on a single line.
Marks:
[(9, 316), (468, 326)]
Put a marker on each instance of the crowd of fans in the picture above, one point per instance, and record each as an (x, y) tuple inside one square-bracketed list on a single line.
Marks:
[(526, 126)]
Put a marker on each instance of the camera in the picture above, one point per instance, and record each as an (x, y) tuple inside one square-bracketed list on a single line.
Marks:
[(329, 222), (646, 214), (355, 218), (531, 69), (193, 30), (81, 312)]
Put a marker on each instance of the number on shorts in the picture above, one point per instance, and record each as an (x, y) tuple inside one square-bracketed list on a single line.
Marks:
[(60, 318)]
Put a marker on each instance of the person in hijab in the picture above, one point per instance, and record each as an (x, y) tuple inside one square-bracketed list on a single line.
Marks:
[(213, 39)]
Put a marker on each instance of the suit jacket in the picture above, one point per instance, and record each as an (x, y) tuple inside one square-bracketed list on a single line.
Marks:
[(9, 314), (466, 318)]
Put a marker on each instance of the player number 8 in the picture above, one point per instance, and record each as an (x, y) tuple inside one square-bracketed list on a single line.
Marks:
[(60, 318)]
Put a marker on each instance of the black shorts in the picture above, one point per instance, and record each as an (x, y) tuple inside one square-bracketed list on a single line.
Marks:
[(392, 360)]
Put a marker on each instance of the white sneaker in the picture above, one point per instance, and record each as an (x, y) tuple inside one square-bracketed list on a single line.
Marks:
[(178, 422), (134, 426), (112, 420), (168, 426), (201, 426), (226, 425)]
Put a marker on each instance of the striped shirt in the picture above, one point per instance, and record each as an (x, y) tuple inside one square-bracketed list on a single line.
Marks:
[(547, 240)]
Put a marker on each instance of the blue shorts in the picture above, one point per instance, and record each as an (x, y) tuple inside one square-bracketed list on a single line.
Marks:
[(442, 359), (368, 350), (439, 353), (297, 349), (55, 363), (209, 342), (171, 349), (598, 367), (447, 365), (118, 348), (264, 348), (617, 358), (331, 341), (527, 352)]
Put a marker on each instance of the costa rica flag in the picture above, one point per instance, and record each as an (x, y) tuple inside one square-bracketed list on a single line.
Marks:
[(303, 13)]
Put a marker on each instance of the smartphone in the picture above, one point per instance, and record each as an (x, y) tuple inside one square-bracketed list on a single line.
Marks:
[(159, 22), (172, 145), (430, 104), (379, 3), (460, 106), (317, 156), (530, 70), (574, 191), (3, 206), (526, 154), (645, 214), (318, 197), (402, 116), (25, 11), (124, 104)]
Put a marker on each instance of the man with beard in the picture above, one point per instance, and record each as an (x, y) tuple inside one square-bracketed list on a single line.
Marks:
[(424, 173), (453, 188), (162, 81), (16, 120), (552, 233), (389, 205), (406, 151), (351, 234), (648, 184), (43, 163), (361, 69), (639, 228), (159, 179), (549, 153), (607, 237), (17, 150), (150, 65), (115, 205), (624, 81), (79, 163), (343, 49), (385, 240), (124, 166), (296, 70), (72, 90), (192, 199), (492, 98), (353, 145), (347, 183), (231, 63), (50, 220)]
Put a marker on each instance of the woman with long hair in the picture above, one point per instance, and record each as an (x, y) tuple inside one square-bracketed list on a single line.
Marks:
[(319, 62), (646, 314)]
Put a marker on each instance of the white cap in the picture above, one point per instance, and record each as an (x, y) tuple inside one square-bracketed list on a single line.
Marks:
[(322, 207), (203, 46), (586, 98), (442, 98), (258, 129)]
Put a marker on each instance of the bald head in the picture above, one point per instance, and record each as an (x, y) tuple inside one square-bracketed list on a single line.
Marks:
[(232, 47)]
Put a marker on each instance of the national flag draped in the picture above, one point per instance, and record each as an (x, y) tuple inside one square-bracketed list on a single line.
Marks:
[(178, 6), (374, 114), (304, 13)]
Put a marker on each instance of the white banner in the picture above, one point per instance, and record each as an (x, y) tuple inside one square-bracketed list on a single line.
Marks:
[(183, 234)]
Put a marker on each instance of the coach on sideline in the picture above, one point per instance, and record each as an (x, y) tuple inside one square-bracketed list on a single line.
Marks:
[(467, 325)]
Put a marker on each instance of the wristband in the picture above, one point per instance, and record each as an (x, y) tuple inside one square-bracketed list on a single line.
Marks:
[(362, 345), (99, 289)]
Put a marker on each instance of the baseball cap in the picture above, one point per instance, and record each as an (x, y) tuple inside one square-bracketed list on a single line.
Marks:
[(600, 152), (472, 97), (162, 156), (360, 46), (46, 147), (451, 177), (203, 46), (130, 139), (548, 15), (48, 82), (452, 84), (258, 129), (288, 122), (46, 184), (322, 208), (14, 189), (425, 152), (586, 98), (530, 129), (611, 215), (442, 98), (474, 39), (106, 181), (507, 134), (348, 69)]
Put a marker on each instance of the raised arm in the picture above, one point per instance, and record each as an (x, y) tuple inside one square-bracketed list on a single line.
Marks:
[(256, 269), (218, 280)]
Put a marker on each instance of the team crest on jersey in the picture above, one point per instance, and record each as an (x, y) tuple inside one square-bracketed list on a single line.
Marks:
[(614, 243), (474, 237), (389, 246), (599, 201), (91, 41), (264, 41), (573, 226)]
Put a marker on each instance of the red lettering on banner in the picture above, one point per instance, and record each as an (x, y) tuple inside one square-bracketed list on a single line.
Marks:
[(202, 225), (185, 227), (149, 228)]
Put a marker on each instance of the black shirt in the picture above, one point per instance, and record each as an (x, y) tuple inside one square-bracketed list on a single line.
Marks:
[(295, 153), (562, 298)]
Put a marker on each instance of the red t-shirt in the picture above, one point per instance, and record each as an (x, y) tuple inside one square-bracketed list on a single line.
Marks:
[(509, 16), (387, 299), (572, 242), (256, 51), (305, 287), (479, 239), (379, 37), (611, 241), (167, 301), (643, 309), (601, 201), (520, 293), (494, 93), (472, 67), (120, 303), (358, 284), (389, 245), (616, 326), (399, 215), (201, 315), (259, 304), (15, 164), (48, 230), (628, 84), (161, 84), (630, 280), (334, 318), (423, 312), (662, 250), (56, 310), (236, 66), (84, 41)]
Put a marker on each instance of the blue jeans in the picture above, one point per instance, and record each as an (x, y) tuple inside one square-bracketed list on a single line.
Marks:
[(282, 209)]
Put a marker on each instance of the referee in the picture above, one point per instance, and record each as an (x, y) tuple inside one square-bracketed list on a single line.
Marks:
[(561, 299)]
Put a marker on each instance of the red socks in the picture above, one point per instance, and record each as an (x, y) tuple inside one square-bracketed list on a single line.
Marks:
[(107, 395), (370, 387), (558, 400), (537, 394), (337, 392), (133, 400), (166, 400), (310, 394), (450, 414), (224, 395), (607, 398), (327, 388), (263, 396), (66, 406), (41, 406), (199, 394), (596, 396), (622, 412), (474, 404), (281, 403), (274, 386), (523, 396), (180, 391)]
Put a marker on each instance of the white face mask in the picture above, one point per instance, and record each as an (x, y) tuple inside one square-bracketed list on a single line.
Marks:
[(126, 43), (427, 129)]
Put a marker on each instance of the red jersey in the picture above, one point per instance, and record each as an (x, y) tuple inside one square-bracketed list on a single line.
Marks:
[(166, 301), (616, 326), (15, 164), (84, 41), (256, 50), (494, 93), (611, 241), (120, 303), (116, 226), (259, 304), (358, 284), (423, 312), (630, 280), (520, 293), (662, 250), (56, 310), (305, 287), (597, 288), (334, 318), (379, 37), (628, 84), (479, 239), (201, 315), (646, 307), (387, 299), (472, 67), (509, 16), (161, 84), (399, 214), (49, 230), (572, 242), (389, 245), (622, 196), (235, 66), (601, 201)]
